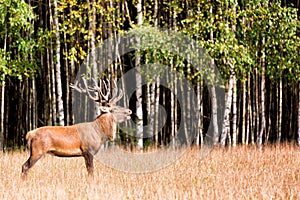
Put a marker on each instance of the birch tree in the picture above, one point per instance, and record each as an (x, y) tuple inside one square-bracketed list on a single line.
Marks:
[(58, 80), (139, 108)]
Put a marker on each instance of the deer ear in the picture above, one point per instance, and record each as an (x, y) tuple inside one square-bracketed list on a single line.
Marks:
[(105, 109)]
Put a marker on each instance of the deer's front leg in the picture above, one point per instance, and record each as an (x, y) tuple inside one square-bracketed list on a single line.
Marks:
[(88, 157)]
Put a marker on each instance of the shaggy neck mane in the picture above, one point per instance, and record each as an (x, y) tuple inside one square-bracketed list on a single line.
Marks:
[(107, 124)]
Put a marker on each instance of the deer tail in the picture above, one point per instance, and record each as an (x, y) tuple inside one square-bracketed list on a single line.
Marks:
[(29, 137)]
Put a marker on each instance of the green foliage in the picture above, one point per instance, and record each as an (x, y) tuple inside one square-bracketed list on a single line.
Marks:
[(160, 48), (78, 25), (273, 39), (16, 29), (244, 35), (228, 31)]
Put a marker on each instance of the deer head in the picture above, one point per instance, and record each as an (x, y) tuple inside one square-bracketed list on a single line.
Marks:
[(109, 99)]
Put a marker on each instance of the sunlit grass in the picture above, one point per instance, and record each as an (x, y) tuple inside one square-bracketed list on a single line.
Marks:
[(236, 173)]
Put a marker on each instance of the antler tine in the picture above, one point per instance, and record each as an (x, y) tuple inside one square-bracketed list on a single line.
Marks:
[(98, 89), (96, 85), (119, 97), (114, 98), (88, 89), (115, 90), (107, 88), (77, 86)]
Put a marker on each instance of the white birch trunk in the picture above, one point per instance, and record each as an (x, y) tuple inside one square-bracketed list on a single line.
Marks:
[(249, 111), (256, 110), (244, 114), (188, 108), (184, 114), (148, 107), (234, 113), (139, 108), (155, 13), (34, 106), (59, 100), (2, 121), (92, 57), (234, 98), (213, 94), (2, 96), (262, 97), (67, 81), (151, 109), (214, 114), (199, 137), (51, 85), (262, 128), (173, 97), (226, 124), (157, 110), (2, 113), (279, 110)]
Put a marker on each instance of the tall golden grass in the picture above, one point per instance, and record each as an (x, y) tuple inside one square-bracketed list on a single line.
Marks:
[(236, 173)]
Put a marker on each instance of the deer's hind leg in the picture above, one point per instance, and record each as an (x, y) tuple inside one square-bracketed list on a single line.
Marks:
[(33, 158)]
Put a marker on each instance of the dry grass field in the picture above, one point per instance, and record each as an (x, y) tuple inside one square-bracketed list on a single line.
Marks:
[(236, 173)]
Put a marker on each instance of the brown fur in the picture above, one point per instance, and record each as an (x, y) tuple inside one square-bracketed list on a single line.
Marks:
[(65, 141)]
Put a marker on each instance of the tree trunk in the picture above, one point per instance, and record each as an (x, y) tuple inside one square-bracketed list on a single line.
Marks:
[(184, 113), (214, 114), (51, 75), (234, 113), (262, 121), (279, 115), (148, 108), (2, 113), (256, 109), (214, 102), (139, 108), (188, 120), (174, 110), (249, 115), (67, 75), (226, 123), (157, 92), (59, 98), (2, 117), (234, 98), (92, 48), (244, 123), (199, 136), (262, 98)]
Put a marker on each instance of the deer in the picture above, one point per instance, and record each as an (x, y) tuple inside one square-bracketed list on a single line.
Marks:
[(82, 139)]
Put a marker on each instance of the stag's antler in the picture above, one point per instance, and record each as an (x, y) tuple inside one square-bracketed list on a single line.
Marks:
[(107, 88), (97, 90), (87, 89), (115, 98)]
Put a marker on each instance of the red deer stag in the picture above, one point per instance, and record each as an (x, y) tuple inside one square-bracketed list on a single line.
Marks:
[(83, 139)]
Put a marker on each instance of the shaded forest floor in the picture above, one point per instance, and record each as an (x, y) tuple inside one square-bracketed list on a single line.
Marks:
[(236, 173)]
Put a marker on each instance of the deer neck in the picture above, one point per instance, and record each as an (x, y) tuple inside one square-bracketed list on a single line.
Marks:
[(107, 125)]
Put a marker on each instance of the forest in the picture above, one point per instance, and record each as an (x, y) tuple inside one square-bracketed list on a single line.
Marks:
[(253, 44)]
